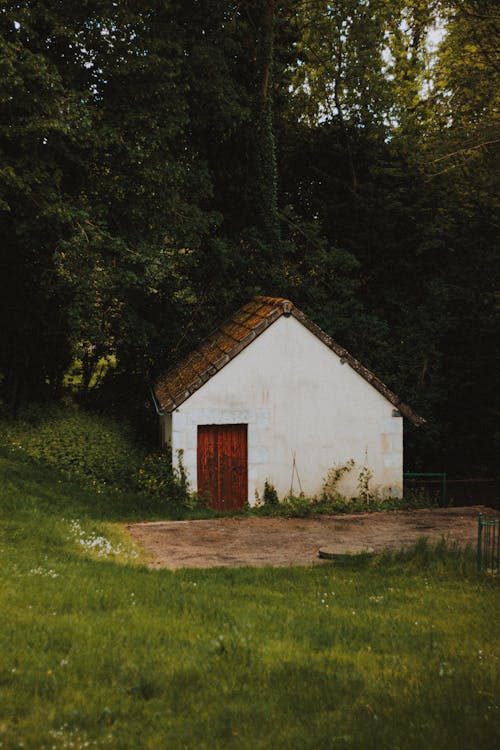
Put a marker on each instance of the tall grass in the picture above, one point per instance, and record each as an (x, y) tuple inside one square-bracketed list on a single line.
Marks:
[(98, 651)]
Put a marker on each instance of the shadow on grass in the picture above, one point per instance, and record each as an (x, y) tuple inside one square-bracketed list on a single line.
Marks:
[(443, 556)]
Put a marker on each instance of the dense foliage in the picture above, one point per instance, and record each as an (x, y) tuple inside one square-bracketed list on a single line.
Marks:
[(103, 454), (162, 162), (96, 451)]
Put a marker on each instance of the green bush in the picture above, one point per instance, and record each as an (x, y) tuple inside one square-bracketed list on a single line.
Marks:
[(297, 506), (292, 506), (270, 496), (157, 476), (99, 451)]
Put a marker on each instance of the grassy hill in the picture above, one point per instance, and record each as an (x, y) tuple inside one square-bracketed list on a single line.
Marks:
[(98, 651)]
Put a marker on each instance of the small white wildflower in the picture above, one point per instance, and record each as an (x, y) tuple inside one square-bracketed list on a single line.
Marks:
[(42, 572)]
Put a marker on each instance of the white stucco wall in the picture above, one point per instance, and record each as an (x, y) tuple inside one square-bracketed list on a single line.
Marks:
[(297, 398)]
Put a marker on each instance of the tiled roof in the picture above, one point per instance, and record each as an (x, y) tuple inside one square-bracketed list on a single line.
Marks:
[(182, 380)]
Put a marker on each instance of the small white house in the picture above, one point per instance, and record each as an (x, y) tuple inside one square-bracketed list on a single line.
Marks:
[(269, 396)]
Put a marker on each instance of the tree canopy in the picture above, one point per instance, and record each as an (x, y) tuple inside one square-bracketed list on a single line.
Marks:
[(162, 162)]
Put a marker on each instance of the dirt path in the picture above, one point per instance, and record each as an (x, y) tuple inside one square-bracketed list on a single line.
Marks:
[(296, 541)]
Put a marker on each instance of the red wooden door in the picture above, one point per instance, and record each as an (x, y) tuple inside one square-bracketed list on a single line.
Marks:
[(223, 465)]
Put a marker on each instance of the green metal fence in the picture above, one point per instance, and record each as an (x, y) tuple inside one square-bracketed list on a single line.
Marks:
[(488, 543), (440, 476)]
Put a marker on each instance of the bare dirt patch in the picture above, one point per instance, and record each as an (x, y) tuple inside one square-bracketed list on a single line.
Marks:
[(296, 541)]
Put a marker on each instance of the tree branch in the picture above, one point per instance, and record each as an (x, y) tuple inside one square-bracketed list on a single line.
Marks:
[(465, 150)]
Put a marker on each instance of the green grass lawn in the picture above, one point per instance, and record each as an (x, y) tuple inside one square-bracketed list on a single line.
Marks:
[(97, 651)]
